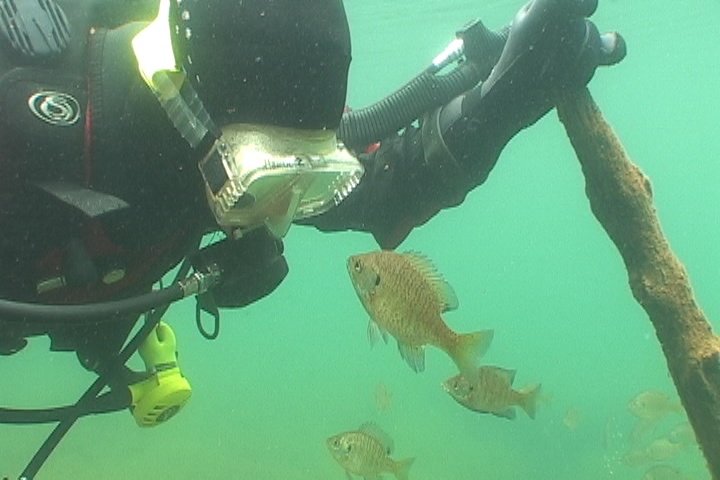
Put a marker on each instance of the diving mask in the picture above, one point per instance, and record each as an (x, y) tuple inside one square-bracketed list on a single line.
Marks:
[(263, 175), (255, 175)]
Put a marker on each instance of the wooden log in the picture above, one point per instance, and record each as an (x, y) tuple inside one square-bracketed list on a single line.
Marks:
[(621, 199)]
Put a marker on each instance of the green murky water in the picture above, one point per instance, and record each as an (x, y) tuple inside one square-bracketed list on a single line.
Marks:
[(524, 255)]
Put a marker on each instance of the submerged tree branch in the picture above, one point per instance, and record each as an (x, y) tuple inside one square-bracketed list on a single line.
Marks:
[(621, 199)]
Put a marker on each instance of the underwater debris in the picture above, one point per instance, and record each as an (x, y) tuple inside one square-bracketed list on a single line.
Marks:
[(383, 397), (572, 418), (621, 200)]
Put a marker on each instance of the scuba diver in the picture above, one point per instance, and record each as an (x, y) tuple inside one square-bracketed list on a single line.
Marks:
[(132, 130)]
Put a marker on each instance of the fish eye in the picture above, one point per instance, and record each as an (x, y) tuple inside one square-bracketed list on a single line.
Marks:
[(357, 266), (377, 280)]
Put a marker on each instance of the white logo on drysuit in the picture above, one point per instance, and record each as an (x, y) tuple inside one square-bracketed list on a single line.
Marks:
[(55, 108)]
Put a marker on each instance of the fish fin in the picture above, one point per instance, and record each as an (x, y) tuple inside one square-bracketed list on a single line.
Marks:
[(413, 355), (402, 468), (505, 373), (373, 430), (442, 288), (508, 413), (467, 349), (375, 333), (529, 399)]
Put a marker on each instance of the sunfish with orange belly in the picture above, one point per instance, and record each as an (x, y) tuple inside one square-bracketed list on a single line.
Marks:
[(405, 297)]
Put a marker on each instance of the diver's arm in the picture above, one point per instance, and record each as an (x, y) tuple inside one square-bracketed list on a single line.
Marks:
[(398, 192), (552, 47)]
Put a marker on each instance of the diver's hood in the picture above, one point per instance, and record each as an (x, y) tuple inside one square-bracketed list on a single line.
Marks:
[(254, 175)]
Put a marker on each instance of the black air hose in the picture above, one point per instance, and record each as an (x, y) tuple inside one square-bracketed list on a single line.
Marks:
[(95, 312), (425, 92)]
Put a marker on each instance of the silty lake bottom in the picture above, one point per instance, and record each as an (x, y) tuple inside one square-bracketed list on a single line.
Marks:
[(525, 257)]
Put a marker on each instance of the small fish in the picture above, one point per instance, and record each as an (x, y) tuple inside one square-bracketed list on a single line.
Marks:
[(366, 452), (659, 450), (662, 449), (492, 392), (572, 418), (652, 405), (683, 434), (405, 297), (663, 472), (383, 397), (636, 457)]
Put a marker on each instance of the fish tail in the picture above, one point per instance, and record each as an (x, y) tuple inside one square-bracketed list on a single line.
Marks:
[(402, 468), (467, 349), (529, 399)]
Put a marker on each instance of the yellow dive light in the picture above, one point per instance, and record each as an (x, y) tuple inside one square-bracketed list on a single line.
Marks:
[(160, 396)]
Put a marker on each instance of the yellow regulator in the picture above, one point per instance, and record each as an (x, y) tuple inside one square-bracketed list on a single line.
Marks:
[(160, 396)]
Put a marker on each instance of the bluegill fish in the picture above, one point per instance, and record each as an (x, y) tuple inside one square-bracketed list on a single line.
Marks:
[(682, 433), (659, 450), (652, 405), (366, 452), (492, 392), (405, 296), (663, 472)]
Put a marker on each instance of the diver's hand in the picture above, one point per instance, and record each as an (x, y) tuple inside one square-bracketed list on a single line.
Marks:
[(553, 46)]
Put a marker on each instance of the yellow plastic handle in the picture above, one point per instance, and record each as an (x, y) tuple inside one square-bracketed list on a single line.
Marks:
[(159, 347)]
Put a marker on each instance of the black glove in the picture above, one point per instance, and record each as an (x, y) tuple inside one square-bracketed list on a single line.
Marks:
[(251, 267), (552, 48)]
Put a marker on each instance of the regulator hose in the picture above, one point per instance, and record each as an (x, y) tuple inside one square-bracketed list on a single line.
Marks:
[(11, 311), (425, 92), (102, 312), (108, 402)]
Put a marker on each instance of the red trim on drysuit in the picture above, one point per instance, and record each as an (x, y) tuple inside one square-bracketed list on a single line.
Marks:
[(137, 264)]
